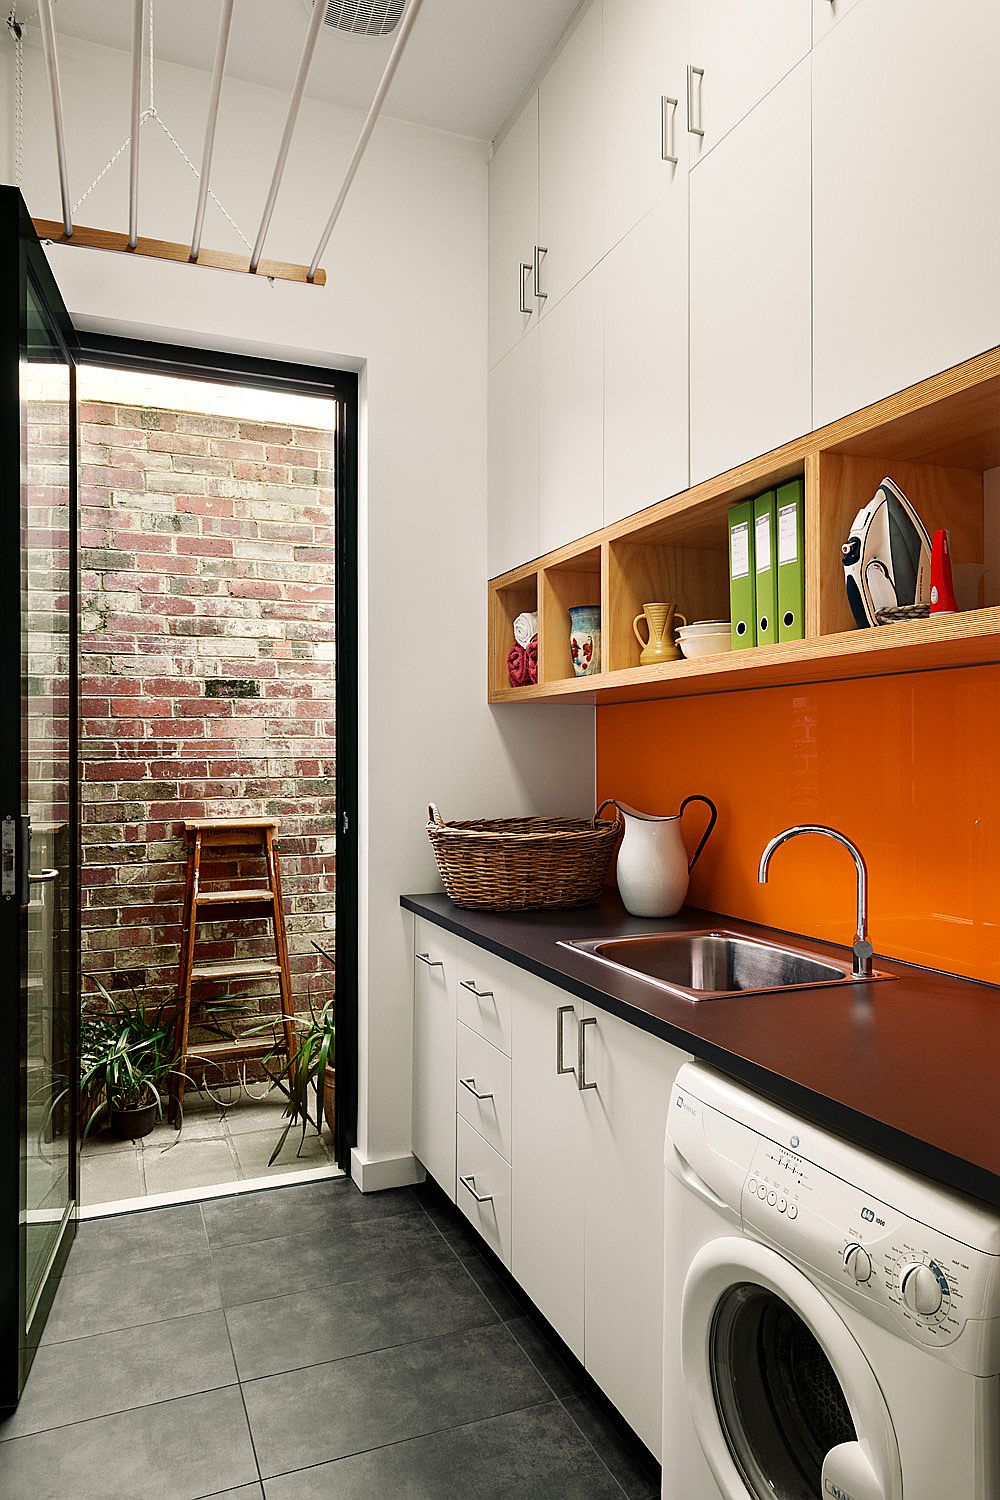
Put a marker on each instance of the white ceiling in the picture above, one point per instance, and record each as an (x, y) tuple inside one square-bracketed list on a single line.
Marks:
[(464, 69)]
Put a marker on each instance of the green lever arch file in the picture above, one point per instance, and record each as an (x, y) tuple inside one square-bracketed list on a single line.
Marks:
[(741, 582), (791, 563), (765, 568)]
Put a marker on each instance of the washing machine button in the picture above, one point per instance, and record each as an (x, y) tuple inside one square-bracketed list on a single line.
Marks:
[(753, 1186), (793, 1212), (772, 1197), (782, 1205)]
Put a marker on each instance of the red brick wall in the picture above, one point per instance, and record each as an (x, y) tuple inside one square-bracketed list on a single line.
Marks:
[(207, 555)]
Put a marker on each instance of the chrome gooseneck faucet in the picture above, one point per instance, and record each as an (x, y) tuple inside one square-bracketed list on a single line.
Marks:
[(862, 947)]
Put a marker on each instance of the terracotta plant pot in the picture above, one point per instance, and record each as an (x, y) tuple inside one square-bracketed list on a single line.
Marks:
[(133, 1124), (329, 1101)]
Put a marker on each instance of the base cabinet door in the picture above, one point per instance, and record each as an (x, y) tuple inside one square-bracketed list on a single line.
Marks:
[(627, 1076), (434, 1045), (547, 1156)]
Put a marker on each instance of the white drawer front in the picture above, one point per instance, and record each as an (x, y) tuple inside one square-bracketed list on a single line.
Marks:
[(484, 1189), (484, 1089), (484, 994)]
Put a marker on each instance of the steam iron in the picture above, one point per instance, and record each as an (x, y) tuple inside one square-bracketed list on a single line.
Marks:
[(887, 557)]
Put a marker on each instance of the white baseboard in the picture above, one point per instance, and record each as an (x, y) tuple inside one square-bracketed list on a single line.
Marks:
[(373, 1174), (204, 1194)]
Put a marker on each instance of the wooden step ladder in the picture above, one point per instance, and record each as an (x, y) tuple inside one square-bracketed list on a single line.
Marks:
[(238, 903)]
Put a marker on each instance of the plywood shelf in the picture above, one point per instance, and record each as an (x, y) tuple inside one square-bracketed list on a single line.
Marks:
[(937, 439)]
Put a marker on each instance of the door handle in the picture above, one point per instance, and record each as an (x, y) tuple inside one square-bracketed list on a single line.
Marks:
[(470, 1084), (469, 1183), (668, 117), (44, 877), (693, 73), (432, 963), (581, 1078), (522, 305), (540, 250), (564, 1010)]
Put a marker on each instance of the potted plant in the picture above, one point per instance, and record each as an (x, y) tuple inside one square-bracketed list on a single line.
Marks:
[(307, 1076), (127, 1058)]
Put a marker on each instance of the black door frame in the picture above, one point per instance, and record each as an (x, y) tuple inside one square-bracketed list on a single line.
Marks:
[(341, 386)]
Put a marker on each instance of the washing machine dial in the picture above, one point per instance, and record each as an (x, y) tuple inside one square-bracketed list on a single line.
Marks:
[(858, 1262), (922, 1287)]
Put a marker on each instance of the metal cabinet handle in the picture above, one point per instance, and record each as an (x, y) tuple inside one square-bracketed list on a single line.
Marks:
[(432, 963), (693, 73), (582, 1056), (564, 1010), (540, 250), (469, 1184), (470, 985), (668, 117), (44, 877), (470, 1084), (522, 304)]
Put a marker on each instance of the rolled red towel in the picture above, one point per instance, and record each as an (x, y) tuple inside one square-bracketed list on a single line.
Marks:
[(532, 658), (517, 666)]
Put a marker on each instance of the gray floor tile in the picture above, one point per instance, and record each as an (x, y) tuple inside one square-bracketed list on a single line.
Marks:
[(313, 1208), (351, 1405), (198, 1125), (536, 1454), (127, 1239), (254, 1148), (617, 1455), (131, 1295), (110, 1177), (245, 1492), (249, 1115), (190, 1164), (114, 1372), (178, 1450), (356, 1317), (496, 1291), (368, 1248), (557, 1376)]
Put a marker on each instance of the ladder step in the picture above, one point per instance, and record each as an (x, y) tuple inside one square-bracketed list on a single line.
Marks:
[(237, 968), (250, 1047), (261, 895)]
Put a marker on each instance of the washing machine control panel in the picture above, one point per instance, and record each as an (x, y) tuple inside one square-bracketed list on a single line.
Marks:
[(927, 1285)]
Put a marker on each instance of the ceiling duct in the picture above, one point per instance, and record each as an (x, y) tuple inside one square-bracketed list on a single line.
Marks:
[(361, 17)]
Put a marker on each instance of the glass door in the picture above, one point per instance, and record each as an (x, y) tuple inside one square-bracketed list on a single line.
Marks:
[(38, 796)]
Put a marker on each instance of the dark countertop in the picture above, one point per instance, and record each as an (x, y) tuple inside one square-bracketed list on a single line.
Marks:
[(907, 1068)]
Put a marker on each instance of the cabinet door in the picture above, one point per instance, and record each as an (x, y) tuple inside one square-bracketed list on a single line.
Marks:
[(513, 232), (626, 1116), (906, 213), (645, 60), (570, 160), (434, 1064), (826, 14), (571, 416), (512, 443), (751, 361), (646, 361), (744, 48), (547, 1165)]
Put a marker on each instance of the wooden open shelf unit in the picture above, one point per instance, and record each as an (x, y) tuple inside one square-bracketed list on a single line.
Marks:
[(940, 441)]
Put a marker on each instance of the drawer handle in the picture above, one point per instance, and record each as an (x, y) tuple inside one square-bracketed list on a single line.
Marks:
[(470, 1084), (540, 250), (523, 305), (668, 117), (432, 963), (469, 1183), (470, 985), (581, 1078), (693, 73), (564, 1010)]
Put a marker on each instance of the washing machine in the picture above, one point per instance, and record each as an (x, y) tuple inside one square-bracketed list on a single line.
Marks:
[(832, 1322)]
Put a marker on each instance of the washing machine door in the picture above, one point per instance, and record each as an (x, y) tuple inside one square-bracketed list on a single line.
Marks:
[(784, 1402)]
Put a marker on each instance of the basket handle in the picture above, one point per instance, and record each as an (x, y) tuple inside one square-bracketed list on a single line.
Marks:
[(609, 802), (433, 816)]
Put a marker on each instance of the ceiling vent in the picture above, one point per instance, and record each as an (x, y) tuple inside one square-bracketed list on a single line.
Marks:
[(362, 17)]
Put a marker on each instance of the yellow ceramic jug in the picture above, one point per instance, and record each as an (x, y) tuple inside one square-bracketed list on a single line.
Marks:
[(659, 644)]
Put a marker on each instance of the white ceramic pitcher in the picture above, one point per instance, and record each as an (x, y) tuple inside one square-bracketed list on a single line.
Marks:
[(653, 867)]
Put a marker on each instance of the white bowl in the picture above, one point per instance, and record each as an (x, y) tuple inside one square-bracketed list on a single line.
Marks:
[(704, 627), (706, 645)]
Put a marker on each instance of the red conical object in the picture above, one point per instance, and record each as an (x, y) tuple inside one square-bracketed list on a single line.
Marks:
[(942, 589)]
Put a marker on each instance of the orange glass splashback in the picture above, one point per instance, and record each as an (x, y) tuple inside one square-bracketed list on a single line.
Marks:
[(908, 767)]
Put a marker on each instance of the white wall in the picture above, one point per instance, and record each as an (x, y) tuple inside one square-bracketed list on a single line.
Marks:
[(405, 304)]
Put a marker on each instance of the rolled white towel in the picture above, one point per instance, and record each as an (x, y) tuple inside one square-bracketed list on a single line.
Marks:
[(525, 626)]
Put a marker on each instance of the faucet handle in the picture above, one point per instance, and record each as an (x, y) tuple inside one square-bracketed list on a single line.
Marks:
[(863, 955)]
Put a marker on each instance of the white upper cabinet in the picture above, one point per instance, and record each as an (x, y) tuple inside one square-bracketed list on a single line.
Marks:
[(750, 284), (906, 208), (645, 58), (739, 50), (571, 416), (513, 181), (646, 361), (570, 161), (512, 458)]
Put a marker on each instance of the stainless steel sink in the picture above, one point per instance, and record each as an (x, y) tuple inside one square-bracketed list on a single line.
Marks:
[(715, 965)]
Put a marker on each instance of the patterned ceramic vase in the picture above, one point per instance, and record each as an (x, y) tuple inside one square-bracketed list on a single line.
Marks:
[(585, 639)]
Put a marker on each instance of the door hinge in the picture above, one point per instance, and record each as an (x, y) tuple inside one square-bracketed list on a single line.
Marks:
[(345, 823)]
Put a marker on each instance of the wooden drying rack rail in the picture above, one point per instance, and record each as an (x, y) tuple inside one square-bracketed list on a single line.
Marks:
[(937, 439), (215, 260)]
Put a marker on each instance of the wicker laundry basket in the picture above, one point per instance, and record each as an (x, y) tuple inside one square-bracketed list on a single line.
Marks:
[(516, 864)]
